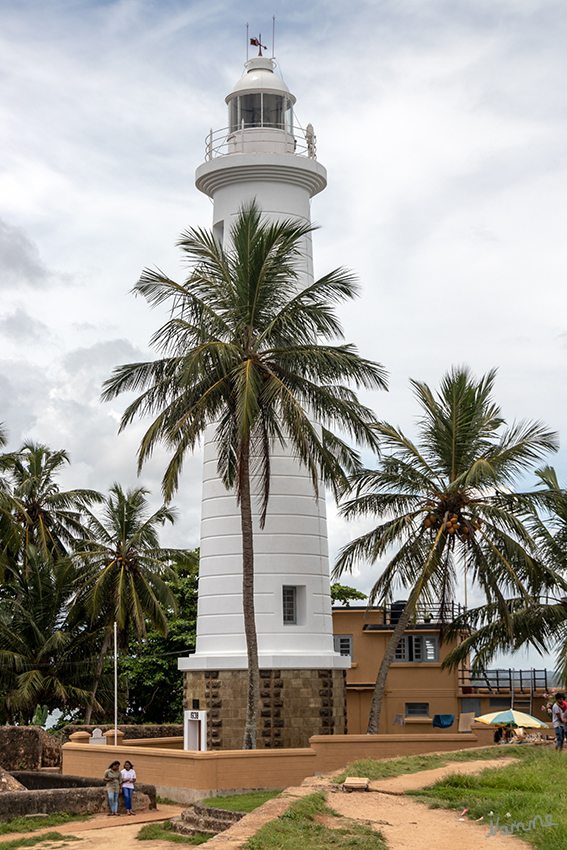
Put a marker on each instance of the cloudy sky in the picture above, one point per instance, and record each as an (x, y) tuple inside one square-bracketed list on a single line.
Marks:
[(442, 124)]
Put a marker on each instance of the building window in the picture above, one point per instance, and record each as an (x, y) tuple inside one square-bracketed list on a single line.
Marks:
[(418, 648), (417, 709), (499, 702), (471, 704), (289, 605), (343, 644)]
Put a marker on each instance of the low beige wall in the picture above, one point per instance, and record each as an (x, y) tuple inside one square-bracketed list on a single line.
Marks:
[(241, 769), (187, 769), (485, 734), (334, 753), (163, 743)]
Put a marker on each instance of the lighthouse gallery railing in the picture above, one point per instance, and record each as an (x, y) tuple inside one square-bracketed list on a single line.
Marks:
[(297, 141)]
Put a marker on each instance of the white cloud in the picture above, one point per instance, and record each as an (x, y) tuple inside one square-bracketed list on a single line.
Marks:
[(21, 328), (20, 262)]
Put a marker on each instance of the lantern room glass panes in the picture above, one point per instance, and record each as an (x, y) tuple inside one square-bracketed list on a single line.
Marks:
[(260, 109), (273, 110)]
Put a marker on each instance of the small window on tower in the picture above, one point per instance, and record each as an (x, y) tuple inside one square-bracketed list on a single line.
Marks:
[(218, 231), (289, 605)]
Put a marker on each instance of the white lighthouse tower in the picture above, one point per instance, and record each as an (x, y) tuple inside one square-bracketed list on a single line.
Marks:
[(262, 155)]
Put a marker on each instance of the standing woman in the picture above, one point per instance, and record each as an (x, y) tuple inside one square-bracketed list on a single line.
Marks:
[(128, 779), (113, 778)]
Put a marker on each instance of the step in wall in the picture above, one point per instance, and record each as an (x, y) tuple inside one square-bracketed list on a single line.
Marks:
[(207, 820)]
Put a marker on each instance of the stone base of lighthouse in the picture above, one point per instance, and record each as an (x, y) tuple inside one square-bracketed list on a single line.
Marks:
[(294, 704)]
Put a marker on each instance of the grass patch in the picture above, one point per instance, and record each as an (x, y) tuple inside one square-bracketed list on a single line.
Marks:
[(241, 802), (536, 785), (164, 832), (23, 824), (299, 827), (165, 801), (36, 839), (414, 764)]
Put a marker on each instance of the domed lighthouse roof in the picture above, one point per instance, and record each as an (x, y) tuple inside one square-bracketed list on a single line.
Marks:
[(260, 77), (262, 143)]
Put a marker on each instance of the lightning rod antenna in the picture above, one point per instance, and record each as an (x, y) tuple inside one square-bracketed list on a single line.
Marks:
[(273, 35)]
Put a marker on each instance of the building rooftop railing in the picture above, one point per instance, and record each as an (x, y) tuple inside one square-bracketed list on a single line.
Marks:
[(504, 680), (521, 689), (426, 615), (294, 140)]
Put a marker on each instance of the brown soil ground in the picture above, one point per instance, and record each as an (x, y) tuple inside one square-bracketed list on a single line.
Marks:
[(101, 832), (405, 823)]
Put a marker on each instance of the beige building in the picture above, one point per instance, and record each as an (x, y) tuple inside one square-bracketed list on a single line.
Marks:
[(417, 688)]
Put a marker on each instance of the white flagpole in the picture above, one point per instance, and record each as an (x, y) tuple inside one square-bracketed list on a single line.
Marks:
[(115, 688)]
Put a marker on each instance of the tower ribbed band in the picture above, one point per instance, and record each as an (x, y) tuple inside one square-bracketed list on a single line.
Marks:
[(229, 170)]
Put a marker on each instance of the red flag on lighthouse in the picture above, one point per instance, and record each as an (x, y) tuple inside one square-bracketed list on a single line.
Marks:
[(255, 42)]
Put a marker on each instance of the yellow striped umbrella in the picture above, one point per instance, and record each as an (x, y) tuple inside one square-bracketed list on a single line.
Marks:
[(511, 717)]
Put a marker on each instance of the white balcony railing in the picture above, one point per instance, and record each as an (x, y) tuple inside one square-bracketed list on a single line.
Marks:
[(295, 141)]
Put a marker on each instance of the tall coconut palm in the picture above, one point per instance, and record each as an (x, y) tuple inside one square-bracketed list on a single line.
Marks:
[(247, 350), (125, 570), (443, 506), (48, 518), (537, 622)]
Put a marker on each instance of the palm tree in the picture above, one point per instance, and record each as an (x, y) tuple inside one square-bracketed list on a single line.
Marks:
[(47, 518), (125, 571), (537, 622), (44, 657), (443, 506), (9, 537), (242, 350)]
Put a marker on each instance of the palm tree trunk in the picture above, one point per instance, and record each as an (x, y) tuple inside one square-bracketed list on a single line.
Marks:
[(98, 671), (253, 690), (380, 686)]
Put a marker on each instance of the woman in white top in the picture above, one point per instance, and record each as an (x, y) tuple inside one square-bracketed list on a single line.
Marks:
[(128, 779)]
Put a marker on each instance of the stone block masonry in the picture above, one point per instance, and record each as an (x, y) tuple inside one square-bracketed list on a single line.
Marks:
[(293, 706)]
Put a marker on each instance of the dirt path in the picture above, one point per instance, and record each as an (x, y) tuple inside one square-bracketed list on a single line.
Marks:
[(409, 825), (101, 832), (413, 781), (405, 823)]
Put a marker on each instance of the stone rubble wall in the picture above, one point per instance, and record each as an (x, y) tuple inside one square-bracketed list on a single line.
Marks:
[(35, 781), (28, 748)]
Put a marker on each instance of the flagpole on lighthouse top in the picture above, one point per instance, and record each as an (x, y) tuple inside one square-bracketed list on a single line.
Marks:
[(247, 42)]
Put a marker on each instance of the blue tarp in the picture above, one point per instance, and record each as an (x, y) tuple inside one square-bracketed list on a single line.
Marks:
[(443, 721)]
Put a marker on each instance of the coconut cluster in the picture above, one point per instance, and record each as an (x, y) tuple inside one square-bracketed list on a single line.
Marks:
[(454, 523)]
